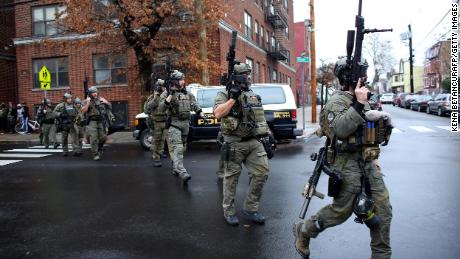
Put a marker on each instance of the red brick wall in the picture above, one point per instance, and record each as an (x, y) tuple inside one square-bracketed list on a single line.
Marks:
[(7, 53), (301, 44), (80, 64)]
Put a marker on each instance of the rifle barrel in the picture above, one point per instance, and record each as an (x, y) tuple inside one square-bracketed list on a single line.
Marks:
[(377, 30)]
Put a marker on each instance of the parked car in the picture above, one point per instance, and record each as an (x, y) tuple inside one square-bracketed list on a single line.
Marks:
[(375, 103), (441, 105), (277, 99), (387, 98), (397, 99), (406, 101), (420, 102)]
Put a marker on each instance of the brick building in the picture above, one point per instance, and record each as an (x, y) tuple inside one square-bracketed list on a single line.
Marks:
[(265, 42), (437, 66), (7, 53)]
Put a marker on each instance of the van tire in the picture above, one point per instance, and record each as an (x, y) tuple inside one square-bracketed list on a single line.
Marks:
[(145, 139)]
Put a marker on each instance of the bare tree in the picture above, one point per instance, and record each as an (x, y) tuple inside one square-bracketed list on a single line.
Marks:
[(381, 57)]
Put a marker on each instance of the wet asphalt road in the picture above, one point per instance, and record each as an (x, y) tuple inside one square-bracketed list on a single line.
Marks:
[(123, 207)]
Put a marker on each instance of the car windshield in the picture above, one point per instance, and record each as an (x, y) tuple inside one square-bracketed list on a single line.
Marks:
[(206, 97), (270, 94)]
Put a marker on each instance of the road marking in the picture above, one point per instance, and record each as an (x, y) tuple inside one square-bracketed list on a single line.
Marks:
[(35, 150), (396, 130), (24, 155), (7, 162), (421, 129), (444, 127), (52, 148)]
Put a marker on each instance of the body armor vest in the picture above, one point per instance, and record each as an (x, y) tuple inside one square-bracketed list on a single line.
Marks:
[(247, 118), (182, 106)]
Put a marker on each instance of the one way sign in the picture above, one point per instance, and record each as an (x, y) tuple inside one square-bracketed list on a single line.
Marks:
[(45, 78)]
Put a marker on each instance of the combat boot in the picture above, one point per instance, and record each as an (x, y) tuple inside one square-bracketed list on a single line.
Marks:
[(232, 220), (65, 153), (254, 216), (157, 163), (56, 145), (302, 241), (46, 147), (96, 157), (185, 177)]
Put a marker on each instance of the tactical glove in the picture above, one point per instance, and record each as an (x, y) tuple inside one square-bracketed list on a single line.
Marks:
[(234, 92)]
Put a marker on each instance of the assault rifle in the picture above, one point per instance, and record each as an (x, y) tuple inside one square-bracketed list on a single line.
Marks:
[(335, 180), (168, 74), (85, 88), (357, 68), (229, 78)]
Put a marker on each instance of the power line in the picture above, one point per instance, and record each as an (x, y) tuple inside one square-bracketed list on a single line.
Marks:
[(419, 43)]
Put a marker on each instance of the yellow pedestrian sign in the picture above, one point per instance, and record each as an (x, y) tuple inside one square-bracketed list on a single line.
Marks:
[(45, 78)]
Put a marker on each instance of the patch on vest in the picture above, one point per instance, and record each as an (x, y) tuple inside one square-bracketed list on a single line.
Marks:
[(330, 117)]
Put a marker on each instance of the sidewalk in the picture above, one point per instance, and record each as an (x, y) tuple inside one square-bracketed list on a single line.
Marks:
[(32, 139), (309, 126)]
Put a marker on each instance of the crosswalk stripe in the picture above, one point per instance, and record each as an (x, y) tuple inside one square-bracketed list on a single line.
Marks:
[(84, 146), (25, 150), (51, 147), (24, 155), (444, 127), (421, 129), (7, 162)]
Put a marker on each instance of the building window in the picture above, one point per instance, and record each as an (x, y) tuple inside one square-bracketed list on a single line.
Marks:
[(274, 75), (250, 63), (109, 69), (289, 80), (286, 32), (285, 4), (58, 67), (248, 25), (273, 46), (256, 30), (288, 54), (267, 40), (44, 20), (258, 74), (268, 75)]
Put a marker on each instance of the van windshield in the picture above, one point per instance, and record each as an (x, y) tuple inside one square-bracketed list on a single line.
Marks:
[(270, 94), (206, 97)]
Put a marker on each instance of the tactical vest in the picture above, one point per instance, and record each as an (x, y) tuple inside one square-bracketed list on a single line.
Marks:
[(247, 118), (48, 117), (157, 114), (182, 106), (95, 108)]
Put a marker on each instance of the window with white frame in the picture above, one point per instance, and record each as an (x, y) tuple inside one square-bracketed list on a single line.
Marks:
[(44, 20), (256, 30), (250, 63), (274, 75), (247, 25), (109, 69)]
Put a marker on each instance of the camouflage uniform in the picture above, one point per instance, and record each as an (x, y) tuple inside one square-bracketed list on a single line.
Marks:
[(241, 129), (67, 114), (221, 170), (178, 111), (48, 127), (159, 131), (96, 127), (80, 124), (345, 122)]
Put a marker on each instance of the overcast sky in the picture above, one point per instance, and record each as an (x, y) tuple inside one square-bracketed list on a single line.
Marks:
[(335, 17)]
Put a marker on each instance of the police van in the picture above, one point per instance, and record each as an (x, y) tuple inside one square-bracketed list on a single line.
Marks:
[(277, 99)]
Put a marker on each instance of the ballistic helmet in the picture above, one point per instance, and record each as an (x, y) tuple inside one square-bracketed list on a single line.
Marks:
[(160, 82), (92, 89), (78, 100), (241, 68), (67, 95), (177, 75)]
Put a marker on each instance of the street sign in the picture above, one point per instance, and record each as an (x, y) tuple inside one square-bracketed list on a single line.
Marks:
[(44, 77), (303, 59)]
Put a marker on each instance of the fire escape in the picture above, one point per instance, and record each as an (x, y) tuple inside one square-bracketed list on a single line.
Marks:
[(276, 15)]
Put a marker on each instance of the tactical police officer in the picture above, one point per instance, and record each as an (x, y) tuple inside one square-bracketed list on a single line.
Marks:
[(345, 120), (96, 108), (178, 104), (158, 118), (243, 124), (48, 127), (66, 113), (80, 123)]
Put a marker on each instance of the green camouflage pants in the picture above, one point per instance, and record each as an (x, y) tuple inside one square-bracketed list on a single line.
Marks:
[(97, 136), (342, 206), (159, 134), (177, 143), (81, 135), (254, 157), (49, 134), (70, 131)]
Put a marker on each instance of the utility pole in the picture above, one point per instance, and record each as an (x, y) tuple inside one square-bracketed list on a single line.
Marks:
[(203, 49), (411, 61), (313, 61)]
